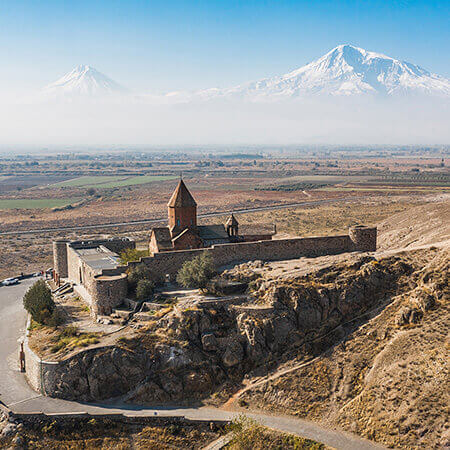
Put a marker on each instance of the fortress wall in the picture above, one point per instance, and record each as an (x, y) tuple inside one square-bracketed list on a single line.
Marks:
[(60, 257), (74, 264), (108, 293), (115, 244), (119, 245), (164, 263), (110, 287), (41, 375), (281, 249), (364, 238), (107, 290)]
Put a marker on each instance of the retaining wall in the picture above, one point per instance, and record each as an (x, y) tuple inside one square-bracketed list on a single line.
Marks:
[(41, 375)]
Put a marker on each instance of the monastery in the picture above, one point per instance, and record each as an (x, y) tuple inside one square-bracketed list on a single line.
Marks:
[(93, 268)]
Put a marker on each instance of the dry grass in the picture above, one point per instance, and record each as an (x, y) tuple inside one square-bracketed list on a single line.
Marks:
[(247, 434), (49, 342), (384, 382)]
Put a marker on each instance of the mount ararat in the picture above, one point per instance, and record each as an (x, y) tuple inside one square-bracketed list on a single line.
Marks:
[(344, 71)]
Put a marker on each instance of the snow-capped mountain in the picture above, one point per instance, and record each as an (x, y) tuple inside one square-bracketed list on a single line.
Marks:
[(84, 81), (345, 70)]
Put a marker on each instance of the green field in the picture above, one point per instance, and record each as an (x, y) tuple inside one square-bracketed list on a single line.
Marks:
[(88, 181), (36, 203), (108, 182), (133, 181)]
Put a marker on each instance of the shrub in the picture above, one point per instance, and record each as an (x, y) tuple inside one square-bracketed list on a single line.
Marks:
[(136, 274), (144, 289), (39, 303), (197, 272)]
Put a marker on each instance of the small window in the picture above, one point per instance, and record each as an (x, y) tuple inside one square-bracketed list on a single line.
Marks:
[(178, 222)]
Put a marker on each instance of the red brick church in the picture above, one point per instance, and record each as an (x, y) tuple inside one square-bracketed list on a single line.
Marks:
[(184, 233)]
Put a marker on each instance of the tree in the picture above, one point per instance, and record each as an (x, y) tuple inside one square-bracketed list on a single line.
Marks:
[(132, 254), (39, 303), (136, 274), (197, 272), (144, 289)]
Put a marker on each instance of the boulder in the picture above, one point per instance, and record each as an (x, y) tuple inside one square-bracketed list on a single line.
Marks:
[(234, 354), (407, 316), (209, 342)]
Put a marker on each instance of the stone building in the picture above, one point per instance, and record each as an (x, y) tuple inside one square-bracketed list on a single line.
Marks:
[(91, 267), (183, 233)]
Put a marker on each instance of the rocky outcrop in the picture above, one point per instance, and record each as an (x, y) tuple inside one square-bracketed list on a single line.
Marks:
[(189, 353)]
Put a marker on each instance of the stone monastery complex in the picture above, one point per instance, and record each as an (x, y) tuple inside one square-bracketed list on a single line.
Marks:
[(93, 267)]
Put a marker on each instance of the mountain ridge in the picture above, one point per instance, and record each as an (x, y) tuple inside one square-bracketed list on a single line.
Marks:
[(344, 70)]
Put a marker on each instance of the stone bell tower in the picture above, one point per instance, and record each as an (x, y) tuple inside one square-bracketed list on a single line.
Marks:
[(182, 210)]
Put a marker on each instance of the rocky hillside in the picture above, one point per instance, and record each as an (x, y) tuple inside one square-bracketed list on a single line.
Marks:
[(388, 379), (207, 348), (355, 340)]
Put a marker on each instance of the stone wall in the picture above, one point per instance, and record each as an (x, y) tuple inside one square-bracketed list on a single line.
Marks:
[(108, 292), (163, 263), (74, 265), (60, 257), (41, 375), (116, 245), (109, 288), (364, 238)]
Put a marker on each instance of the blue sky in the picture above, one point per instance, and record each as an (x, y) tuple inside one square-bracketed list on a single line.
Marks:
[(168, 45)]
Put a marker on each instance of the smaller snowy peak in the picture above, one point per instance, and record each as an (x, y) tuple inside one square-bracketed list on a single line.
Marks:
[(84, 80)]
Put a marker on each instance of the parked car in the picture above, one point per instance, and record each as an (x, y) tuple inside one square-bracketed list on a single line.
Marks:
[(10, 281)]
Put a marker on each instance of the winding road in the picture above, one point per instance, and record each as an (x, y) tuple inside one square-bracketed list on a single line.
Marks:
[(19, 397)]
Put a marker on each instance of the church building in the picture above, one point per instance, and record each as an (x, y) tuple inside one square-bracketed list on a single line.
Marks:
[(183, 232)]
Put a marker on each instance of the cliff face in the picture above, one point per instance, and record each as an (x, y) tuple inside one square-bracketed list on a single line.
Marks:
[(193, 352)]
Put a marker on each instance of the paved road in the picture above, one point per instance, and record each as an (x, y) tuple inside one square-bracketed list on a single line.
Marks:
[(16, 393), (160, 220)]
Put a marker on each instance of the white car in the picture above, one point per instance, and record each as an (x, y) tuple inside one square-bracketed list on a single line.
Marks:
[(10, 281)]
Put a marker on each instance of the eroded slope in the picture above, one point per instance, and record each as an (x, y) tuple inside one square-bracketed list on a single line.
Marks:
[(388, 380)]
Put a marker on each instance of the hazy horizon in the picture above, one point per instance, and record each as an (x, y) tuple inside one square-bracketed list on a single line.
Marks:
[(155, 47)]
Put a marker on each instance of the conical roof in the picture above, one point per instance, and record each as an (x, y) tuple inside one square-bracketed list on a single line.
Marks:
[(232, 220), (181, 197)]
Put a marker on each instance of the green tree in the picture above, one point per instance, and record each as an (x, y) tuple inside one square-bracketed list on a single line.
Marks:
[(132, 254), (197, 272), (39, 303), (144, 289), (136, 274)]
